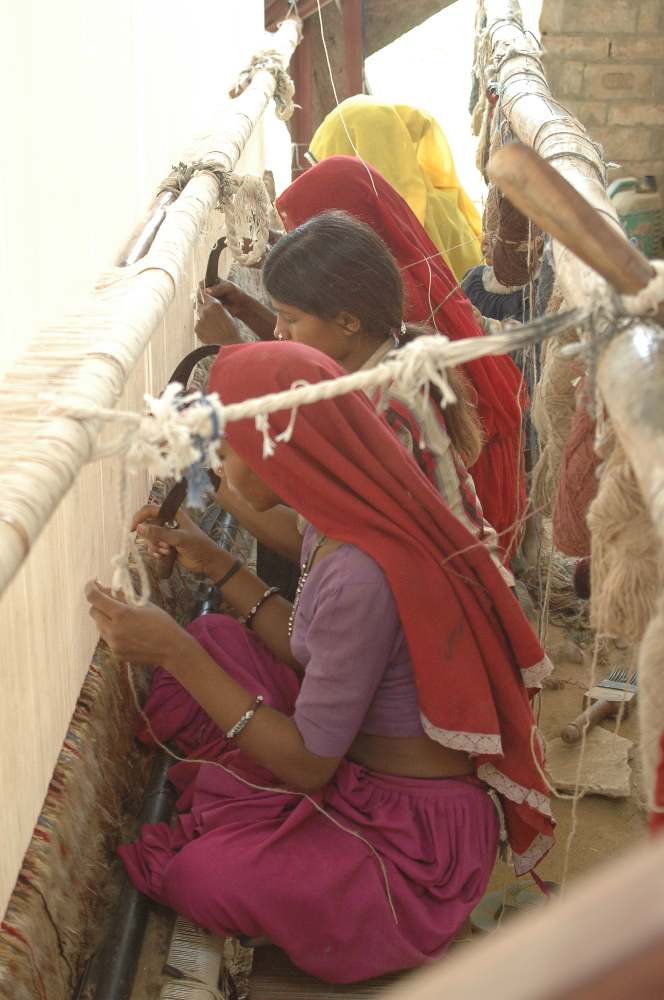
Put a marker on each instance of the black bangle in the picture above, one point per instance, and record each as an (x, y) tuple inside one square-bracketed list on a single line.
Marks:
[(270, 592), (237, 565)]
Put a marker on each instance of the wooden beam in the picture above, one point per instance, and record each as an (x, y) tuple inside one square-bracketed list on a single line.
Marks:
[(603, 940), (387, 20), (353, 28), (277, 10)]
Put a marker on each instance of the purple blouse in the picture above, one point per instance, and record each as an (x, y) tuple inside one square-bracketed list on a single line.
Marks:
[(348, 637)]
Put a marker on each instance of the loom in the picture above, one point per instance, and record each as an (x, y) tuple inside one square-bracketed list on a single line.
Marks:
[(68, 800), (42, 941)]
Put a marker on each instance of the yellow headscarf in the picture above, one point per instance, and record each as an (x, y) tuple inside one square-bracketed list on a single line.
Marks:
[(408, 147)]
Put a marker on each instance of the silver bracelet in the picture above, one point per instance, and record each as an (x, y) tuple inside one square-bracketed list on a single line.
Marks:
[(270, 592), (244, 719)]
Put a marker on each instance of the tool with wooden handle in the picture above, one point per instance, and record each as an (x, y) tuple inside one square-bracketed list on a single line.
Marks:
[(595, 713), (543, 195), (605, 700)]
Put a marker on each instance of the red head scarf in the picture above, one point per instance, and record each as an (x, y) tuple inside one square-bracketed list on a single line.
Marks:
[(433, 297), (472, 649)]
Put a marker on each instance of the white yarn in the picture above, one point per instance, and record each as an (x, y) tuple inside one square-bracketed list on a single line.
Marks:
[(170, 438), (248, 218), (272, 61), (89, 355), (649, 300), (162, 439)]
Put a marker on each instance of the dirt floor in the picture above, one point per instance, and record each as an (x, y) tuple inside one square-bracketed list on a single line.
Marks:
[(603, 826)]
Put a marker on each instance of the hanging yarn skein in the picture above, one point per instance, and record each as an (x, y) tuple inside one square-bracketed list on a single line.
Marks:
[(248, 220), (577, 483), (626, 564)]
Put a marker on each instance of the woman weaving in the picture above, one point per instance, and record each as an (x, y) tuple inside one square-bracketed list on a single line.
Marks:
[(432, 297), (351, 822), (335, 287)]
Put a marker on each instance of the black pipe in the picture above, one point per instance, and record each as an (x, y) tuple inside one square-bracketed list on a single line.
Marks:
[(115, 965)]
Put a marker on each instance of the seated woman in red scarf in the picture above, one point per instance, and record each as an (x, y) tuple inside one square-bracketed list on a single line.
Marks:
[(432, 297), (336, 287), (358, 731)]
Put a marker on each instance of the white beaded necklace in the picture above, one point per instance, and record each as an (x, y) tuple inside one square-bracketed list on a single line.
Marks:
[(304, 573)]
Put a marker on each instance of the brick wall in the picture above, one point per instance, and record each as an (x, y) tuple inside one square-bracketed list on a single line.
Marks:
[(605, 61)]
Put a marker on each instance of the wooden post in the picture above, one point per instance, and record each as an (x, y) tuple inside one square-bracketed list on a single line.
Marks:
[(353, 28), (302, 127)]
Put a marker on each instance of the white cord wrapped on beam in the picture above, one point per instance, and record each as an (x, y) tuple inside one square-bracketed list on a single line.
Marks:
[(271, 60)]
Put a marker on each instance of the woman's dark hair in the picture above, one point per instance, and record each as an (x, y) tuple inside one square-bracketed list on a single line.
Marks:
[(332, 264)]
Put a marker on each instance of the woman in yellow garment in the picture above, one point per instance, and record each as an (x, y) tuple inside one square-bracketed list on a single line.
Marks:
[(408, 147)]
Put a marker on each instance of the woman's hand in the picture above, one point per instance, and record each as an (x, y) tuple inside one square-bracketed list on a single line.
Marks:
[(214, 325), (231, 297), (242, 306), (139, 635), (195, 551)]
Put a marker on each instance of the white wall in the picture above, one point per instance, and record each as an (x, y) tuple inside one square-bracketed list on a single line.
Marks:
[(98, 100)]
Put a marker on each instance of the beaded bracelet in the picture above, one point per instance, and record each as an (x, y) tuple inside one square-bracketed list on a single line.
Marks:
[(244, 719), (270, 592)]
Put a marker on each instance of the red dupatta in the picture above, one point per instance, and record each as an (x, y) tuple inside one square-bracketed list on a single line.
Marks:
[(434, 297), (473, 651)]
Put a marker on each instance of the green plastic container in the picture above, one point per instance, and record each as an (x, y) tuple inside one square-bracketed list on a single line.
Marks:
[(639, 205)]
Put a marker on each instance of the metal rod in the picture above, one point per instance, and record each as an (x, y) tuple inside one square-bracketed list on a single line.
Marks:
[(115, 965)]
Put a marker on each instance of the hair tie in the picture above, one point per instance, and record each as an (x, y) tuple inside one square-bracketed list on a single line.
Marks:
[(397, 334)]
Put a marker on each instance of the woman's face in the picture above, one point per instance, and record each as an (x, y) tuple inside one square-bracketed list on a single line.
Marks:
[(243, 481), (328, 336)]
